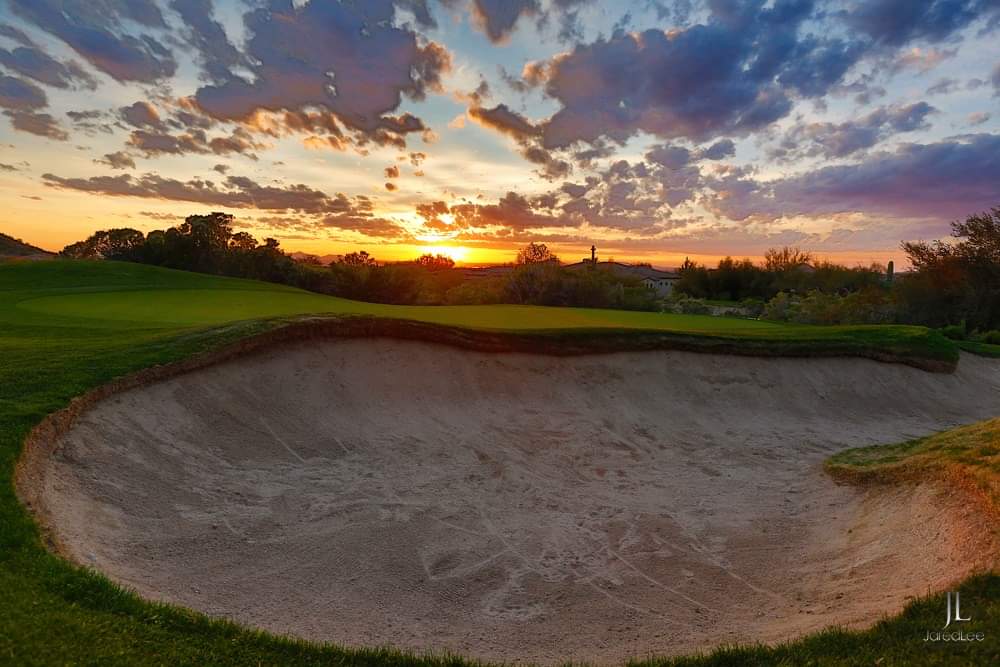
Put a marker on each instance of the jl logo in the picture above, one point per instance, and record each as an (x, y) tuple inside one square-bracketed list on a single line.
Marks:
[(949, 617)]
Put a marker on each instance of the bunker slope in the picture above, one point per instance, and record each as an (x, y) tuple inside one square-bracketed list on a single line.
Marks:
[(518, 507)]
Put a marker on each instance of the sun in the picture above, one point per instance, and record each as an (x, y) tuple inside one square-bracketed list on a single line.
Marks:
[(456, 252)]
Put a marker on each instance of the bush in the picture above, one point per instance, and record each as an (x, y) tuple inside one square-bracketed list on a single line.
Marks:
[(954, 331), (869, 306), (752, 308), (685, 305), (782, 308), (991, 337)]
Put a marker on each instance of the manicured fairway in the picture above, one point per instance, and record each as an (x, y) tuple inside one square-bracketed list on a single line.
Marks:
[(68, 327), (135, 297), (151, 300)]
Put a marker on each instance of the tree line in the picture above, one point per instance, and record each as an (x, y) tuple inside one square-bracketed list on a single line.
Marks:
[(952, 283), (208, 244)]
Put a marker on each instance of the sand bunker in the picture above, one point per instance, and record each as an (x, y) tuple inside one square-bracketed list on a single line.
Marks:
[(517, 507)]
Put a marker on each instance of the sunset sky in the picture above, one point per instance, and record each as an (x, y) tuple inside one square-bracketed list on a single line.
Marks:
[(655, 129)]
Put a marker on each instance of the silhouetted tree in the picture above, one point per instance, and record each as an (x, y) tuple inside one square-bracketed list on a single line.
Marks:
[(435, 262), (957, 280), (782, 259), (535, 253), (116, 244), (361, 258)]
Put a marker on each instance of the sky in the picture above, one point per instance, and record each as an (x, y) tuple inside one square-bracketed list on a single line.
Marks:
[(653, 129)]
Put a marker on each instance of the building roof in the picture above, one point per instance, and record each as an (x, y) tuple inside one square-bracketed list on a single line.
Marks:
[(627, 269)]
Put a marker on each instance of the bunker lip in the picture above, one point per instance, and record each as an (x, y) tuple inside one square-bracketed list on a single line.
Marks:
[(866, 523), (39, 442)]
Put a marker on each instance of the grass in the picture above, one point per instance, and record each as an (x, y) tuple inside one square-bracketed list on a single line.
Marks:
[(68, 327), (981, 349), (132, 297), (970, 454)]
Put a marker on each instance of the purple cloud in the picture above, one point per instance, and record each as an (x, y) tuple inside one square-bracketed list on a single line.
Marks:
[(94, 31), (38, 65), (347, 58), (19, 95), (946, 179)]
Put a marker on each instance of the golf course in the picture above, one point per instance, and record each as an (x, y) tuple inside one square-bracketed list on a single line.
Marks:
[(206, 470)]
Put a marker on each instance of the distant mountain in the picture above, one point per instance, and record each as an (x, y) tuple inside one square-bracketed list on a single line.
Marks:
[(11, 247)]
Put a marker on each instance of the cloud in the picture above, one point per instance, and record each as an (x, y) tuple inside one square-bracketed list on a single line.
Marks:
[(719, 150), (42, 124), (348, 59), (19, 95), (209, 38), (503, 119), (358, 220), (922, 60), (896, 22), (8, 167), (945, 180), (94, 30), (838, 140), (12, 33), (978, 117), (697, 83), (38, 65), (497, 18), (392, 171), (944, 86), (235, 192), (141, 114), (118, 160), (196, 141), (671, 157)]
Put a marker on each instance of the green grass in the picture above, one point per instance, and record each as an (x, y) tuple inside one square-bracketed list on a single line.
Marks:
[(68, 327), (982, 349), (131, 296), (970, 454)]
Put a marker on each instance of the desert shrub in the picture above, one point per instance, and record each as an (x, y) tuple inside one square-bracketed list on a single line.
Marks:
[(782, 308), (752, 307), (682, 304), (869, 306)]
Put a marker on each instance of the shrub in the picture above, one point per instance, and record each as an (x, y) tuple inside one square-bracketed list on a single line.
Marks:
[(685, 305), (954, 331), (782, 308), (991, 337), (752, 307)]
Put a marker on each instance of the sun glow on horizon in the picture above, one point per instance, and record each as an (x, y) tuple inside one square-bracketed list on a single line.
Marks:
[(457, 253)]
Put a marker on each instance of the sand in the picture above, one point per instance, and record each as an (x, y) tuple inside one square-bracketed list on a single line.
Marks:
[(518, 507)]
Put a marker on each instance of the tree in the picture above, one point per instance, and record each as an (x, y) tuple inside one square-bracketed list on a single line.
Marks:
[(778, 260), (956, 280), (242, 241), (361, 258), (118, 244), (202, 241), (535, 253), (435, 262)]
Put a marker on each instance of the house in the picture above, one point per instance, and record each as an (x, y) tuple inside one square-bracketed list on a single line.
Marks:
[(661, 282)]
